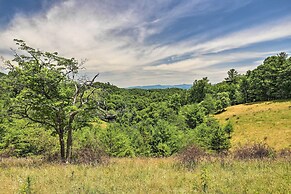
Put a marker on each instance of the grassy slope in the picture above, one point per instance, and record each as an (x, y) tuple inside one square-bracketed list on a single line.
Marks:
[(149, 175), (268, 122)]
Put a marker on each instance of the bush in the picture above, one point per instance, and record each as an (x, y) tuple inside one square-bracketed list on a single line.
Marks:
[(22, 139), (90, 155), (254, 151), (212, 136), (193, 115), (166, 139), (285, 153), (191, 156), (116, 142), (87, 148)]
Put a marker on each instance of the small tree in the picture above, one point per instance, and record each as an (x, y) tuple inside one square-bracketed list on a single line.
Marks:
[(223, 101), (43, 90), (193, 115), (214, 137)]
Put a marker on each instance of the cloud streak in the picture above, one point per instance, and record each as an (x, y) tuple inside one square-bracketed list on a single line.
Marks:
[(115, 38)]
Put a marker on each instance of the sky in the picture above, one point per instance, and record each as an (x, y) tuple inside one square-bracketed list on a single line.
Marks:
[(148, 42)]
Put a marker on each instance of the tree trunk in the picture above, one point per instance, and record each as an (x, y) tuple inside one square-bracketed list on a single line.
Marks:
[(70, 137), (69, 145), (62, 145)]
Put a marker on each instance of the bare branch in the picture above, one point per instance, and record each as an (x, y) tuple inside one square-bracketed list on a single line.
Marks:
[(77, 90), (90, 83), (88, 97)]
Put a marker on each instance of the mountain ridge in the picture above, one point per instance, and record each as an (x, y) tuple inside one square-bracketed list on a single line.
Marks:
[(159, 86)]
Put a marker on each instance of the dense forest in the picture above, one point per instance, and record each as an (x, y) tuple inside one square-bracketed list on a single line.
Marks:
[(47, 110)]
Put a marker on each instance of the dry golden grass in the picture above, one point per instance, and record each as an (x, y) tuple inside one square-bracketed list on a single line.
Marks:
[(268, 122), (150, 175)]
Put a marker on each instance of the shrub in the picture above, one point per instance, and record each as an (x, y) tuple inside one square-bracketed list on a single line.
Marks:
[(191, 156), (23, 139), (166, 139), (193, 115), (285, 153), (116, 142), (90, 155), (212, 136), (254, 151), (87, 148)]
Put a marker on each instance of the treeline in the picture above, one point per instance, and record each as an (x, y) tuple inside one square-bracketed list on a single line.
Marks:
[(43, 107), (161, 122)]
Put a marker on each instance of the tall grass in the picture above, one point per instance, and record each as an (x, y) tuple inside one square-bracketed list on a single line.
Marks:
[(149, 175)]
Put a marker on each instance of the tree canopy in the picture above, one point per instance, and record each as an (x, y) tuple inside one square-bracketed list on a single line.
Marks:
[(43, 89)]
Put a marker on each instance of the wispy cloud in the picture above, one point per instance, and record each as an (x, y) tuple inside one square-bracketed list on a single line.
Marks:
[(114, 36), (207, 61)]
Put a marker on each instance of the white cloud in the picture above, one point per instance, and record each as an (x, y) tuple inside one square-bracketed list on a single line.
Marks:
[(112, 35), (265, 32)]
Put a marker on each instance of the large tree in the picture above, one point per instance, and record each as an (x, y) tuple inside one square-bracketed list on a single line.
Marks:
[(44, 89), (232, 76), (271, 79), (199, 90)]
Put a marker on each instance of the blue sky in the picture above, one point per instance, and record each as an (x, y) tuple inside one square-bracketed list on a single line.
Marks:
[(145, 42)]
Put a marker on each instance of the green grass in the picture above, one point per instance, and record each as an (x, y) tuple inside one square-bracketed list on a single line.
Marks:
[(163, 175), (268, 122)]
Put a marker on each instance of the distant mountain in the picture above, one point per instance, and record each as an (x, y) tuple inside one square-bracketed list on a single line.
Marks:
[(181, 86)]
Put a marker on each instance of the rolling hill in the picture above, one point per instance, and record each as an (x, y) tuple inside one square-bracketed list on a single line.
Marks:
[(268, 122)]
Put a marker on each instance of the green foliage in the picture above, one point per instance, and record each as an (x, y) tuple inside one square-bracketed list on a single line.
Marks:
[(27, 141), (232, 76), (209, 104), (204, 180), (116, 142), (161, 139), (199, 90), (212, 136), (222, 101), (26, 187), (42, 89), (270, 80), (193, 115), (167, 139)]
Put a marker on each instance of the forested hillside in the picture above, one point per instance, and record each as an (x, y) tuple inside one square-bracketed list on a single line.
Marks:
[(46, 111)]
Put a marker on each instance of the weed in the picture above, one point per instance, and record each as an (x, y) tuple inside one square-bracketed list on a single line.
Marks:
[(25, 188), (285, 153), (254, 151), (203, 179), (91, 156), (191, 156)]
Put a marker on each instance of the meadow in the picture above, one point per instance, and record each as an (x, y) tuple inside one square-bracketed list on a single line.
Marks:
[(147, 175), (267, 122)]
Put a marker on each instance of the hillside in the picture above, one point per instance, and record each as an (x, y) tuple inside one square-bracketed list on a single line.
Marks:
[(268, 122)]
